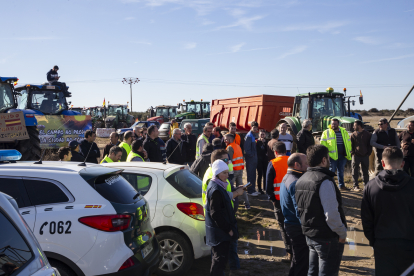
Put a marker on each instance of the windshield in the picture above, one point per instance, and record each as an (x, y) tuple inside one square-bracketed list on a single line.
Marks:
[(162, 112), (328, 106), (173, 111), (6, 96), (48, 102), (89, 112), (192, 107), (206, 108), (99, 112), (114, 110)]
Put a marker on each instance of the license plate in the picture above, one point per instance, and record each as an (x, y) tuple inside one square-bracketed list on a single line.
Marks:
[(146, 250)]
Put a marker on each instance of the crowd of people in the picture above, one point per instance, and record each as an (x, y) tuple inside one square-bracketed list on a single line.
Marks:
[(298, 178)]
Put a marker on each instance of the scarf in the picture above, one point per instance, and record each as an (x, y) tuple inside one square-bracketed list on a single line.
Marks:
[(221, 183)]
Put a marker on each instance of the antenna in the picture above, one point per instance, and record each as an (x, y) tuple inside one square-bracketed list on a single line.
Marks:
[(41, 158), (84, 162)]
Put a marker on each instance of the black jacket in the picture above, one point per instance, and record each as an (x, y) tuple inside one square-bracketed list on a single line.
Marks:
[(153, 149), (261, 149), (190, 146), (94, 152), (77, 157), (387, 208), (304, 140), (309, 204), (108, 147), (51, 75), (201, 165), (176, 153)]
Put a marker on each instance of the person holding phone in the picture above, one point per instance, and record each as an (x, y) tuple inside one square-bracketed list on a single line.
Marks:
[(221, 223)]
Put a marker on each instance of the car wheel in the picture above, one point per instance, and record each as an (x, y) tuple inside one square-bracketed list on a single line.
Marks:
[(63, 269), (177, 254)]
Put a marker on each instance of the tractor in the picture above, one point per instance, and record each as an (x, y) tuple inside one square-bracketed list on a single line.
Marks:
[(193, 110), (162, 113), (78, 109), (117, 116), (97, 114), (29, 148), (321, 108)]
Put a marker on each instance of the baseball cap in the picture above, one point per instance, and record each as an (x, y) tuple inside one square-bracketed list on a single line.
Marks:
[(73, 144)]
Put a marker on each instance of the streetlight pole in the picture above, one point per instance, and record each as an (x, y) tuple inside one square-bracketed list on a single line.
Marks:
[(130, 81)]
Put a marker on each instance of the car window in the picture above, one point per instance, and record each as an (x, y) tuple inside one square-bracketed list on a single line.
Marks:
[(115, 188), (187, 183), (44, 192), (14, 250), (13, 188), (140, 182)]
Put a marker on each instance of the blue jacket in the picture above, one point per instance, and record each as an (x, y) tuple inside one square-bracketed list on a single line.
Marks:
[(215, 234), (250, 146), (287, 197)]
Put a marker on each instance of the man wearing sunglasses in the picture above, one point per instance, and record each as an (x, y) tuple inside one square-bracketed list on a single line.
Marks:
[(383, 137)]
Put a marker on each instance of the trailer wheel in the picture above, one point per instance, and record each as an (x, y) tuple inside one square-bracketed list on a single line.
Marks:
[(30, 148)]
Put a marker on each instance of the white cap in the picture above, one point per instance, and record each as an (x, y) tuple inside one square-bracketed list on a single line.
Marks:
[(219, 166)]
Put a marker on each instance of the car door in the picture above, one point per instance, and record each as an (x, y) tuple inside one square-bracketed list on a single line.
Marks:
[(146, 183), (57, 227), (13, 186)]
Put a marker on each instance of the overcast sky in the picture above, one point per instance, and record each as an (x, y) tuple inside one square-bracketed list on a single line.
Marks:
[(212, 49)]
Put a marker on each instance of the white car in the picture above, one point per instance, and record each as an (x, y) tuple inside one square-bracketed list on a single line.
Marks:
[(177, 215), (88, 219), (20, 253)]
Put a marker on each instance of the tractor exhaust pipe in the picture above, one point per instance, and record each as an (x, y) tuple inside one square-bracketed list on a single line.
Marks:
[(395, 112)]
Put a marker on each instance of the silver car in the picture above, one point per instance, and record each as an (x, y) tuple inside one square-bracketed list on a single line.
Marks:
[(20, 253)]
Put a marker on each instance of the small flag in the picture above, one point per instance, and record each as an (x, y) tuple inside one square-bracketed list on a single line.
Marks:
[(12, 122), (360, 93), (15, 83), (104, 102)]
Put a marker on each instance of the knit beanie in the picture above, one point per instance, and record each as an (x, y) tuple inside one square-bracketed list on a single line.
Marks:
[(219, 166)]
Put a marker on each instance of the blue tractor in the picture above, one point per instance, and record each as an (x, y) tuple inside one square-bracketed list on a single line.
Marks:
[(29, 148)]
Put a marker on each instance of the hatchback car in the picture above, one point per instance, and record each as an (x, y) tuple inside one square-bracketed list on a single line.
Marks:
[(20, 253), (88, 219), (164, 131), (177, 215)]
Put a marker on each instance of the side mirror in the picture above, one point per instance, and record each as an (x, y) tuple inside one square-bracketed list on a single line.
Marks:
[(298, 99), (353, 102), (127, 110), (361, 100), (205, 105)]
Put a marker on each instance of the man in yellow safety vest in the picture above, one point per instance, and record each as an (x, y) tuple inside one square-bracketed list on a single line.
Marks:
[(126, 145), (137, 153), (203, 139), (337, 140), (115, 154)]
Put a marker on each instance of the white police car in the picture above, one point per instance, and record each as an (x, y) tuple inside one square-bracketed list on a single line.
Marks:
[(88, 219)]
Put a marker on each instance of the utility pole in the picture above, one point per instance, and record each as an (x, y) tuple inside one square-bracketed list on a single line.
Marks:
[(130, 81)]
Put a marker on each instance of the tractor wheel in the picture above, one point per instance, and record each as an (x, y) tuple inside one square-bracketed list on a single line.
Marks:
[(98, 124), (30, 148)]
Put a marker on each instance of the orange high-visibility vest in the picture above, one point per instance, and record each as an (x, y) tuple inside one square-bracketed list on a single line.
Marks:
[(281, 167), (237, 160)]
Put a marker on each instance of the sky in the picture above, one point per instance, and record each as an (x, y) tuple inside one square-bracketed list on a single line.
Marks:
[(212, 49)]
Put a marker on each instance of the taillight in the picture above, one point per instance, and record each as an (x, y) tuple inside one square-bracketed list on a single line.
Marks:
[(29, 115), (128, 263), (193, 210), (107, 223)]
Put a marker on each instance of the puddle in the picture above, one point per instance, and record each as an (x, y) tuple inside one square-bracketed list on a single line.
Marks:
[(356, 243), (264, 243)]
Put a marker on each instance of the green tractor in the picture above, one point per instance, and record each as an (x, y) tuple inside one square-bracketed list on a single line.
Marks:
[(193, 110), (321, 108), (97, 114), (117, 116)]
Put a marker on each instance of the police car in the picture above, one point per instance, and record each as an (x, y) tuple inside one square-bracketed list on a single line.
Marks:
[(88, 219), (177, 214)]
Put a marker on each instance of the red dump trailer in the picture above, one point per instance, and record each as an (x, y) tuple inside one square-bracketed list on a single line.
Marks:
[(267, 110)]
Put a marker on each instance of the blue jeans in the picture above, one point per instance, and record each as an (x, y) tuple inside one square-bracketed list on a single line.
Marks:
[(251, 165), (340, 166), (234, 260), (324, 256)]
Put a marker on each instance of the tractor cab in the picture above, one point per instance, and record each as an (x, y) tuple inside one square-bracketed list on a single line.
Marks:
[(321, 107), (117, 116), (45, 99), (162, 113), (78, 109), (7, 98), (193, 110)]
